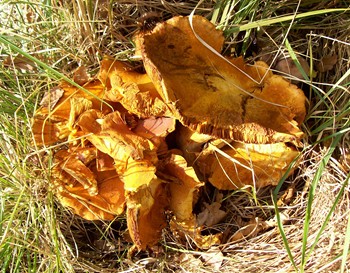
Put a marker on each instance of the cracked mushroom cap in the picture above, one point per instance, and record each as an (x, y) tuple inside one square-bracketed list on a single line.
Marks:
[(111, 135), (214, 95), (134, 90), (54, 121)]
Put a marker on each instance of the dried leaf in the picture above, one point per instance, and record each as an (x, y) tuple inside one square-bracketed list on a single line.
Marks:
[(284, 218), (214, 95), (211, 215), (189, 262), (51, 98), (81, 76), (327, 63), (287, 196), (288, 67), (213, 257), (20, 62), (249, 231)]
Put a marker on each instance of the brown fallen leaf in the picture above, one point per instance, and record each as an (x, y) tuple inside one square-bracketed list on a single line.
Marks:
[(211, 215), (20, 62), (51, 98), (213, 258), (213, 95), (287, 196), (327, 63), (288, 67), (81, 76), (189, 262), (249, 231)]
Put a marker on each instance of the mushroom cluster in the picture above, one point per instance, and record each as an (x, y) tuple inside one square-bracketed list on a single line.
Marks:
[(137, 143)]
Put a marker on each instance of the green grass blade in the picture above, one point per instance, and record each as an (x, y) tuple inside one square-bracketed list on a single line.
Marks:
[(342, 114), (272, 21), (311, 195), (278, 217), (295, 60), (52, 72), (328, 217), (346, 247)]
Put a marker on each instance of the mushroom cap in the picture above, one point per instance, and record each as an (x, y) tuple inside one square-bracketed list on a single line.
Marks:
[(214, 95), (92, 194), (54, 121), (108, 203), (184, 185), (240, 164), (145, 212), (135, 91)]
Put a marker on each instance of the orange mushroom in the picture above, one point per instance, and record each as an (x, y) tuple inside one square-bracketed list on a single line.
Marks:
[(184, 188), (146, 200), (184, 185), (122, 161), (214, 95), (55, 120), (92, 194), (135, 91), (239, 164)]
